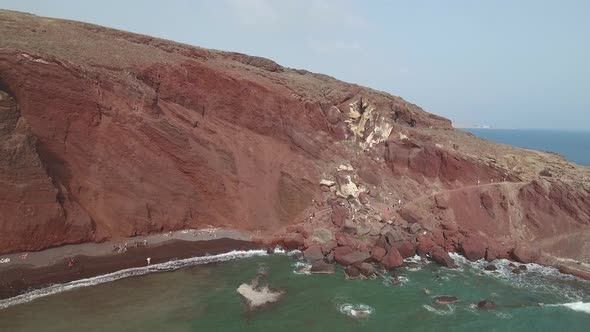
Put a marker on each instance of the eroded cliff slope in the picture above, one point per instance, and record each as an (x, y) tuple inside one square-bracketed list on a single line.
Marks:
[(107, 134)]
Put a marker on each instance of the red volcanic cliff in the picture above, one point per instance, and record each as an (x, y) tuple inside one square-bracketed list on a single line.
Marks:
[(107, 133)]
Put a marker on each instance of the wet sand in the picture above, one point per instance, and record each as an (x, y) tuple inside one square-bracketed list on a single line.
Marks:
[(74, 262)]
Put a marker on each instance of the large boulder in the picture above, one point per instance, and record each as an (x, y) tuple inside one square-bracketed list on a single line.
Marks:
[(392, 259), (366, 269), (377, 254), (348, 256), (329, 246), (339, 212), (525, 254), (313, 253), (322, 235), (440, 256), (333, 115), (425, 245), (406, 249), (473, 247), (293, 241), (322, 267), (352, 272)]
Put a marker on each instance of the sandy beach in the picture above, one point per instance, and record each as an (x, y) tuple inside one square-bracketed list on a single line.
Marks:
[(20, 272)]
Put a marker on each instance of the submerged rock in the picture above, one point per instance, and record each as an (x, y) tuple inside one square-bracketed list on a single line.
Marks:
[(257, 295), (486, 305), (446, 299), (490, 267)]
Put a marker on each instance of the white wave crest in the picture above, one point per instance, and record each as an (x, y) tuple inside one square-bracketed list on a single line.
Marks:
[(577, 306), (535, 277), (302, 268), (356, 310), (441, 312), (132, 272)]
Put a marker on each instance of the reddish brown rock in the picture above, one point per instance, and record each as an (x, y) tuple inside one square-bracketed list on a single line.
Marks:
[(392, 259), (377, 254), (293, 241), (525, 254), (363, 198), (339, 212), (407, 249), (322, 267), (333, 115), (425, 245), (352, 272), (442, 202), (347, 256), (313, 253), (473, 247), (440, 256), (366, 269), (180, 137), (446, 299), (329, 246)]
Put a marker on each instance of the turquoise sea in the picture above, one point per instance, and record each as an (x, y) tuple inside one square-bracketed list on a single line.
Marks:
[(204, 298)]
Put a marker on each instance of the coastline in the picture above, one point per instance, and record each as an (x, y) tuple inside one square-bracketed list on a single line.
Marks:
[(52, 266), (88, 260)]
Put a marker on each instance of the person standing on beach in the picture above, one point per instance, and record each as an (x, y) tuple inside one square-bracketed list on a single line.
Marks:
[(149, 260)]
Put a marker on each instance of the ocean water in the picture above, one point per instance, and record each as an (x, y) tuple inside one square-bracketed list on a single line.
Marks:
[(573, 145), (204, 298)]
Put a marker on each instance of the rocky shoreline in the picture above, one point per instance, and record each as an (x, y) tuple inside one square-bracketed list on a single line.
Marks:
[(358, 259)]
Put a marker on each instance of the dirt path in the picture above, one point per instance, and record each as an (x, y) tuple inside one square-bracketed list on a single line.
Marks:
[(423, 198)]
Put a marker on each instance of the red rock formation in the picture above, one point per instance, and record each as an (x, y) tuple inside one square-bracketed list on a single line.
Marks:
[(106, 133)]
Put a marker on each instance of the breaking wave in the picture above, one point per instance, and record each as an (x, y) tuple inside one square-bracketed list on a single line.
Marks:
[(441, 312), (132, 272), (536, 277), (356, 310), (576, 306)]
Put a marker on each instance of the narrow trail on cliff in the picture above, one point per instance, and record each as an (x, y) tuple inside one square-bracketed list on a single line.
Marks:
[(449, 191)]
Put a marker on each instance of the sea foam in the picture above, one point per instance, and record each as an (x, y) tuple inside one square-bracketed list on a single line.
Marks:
[(132, 272), (577, 306)]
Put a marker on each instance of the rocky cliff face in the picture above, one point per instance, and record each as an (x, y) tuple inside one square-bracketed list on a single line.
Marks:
[(106, 133)]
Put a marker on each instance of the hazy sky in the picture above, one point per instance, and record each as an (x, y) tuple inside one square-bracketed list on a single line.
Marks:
[(509, 64)]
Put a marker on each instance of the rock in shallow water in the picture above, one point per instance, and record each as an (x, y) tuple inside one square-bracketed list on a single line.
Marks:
[(490, 267), (446, 299), (486, 305), (322, 267), (257, 296)]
